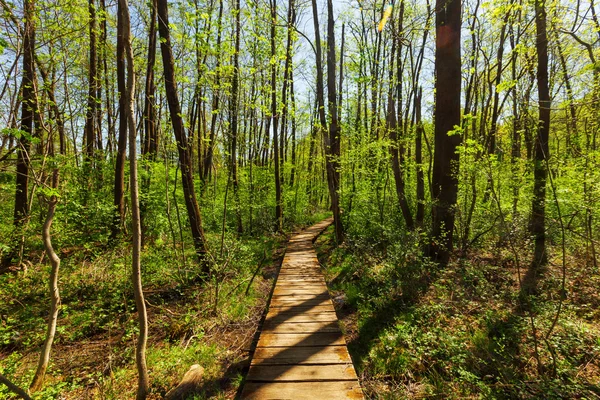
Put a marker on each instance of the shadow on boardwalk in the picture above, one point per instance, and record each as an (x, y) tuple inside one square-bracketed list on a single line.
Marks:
[(301, 352)]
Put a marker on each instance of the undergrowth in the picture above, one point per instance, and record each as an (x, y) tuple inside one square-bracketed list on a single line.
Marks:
[(93, 353), (415, 330)]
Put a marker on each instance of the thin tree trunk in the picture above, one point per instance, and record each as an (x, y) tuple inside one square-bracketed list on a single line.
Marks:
[(14, 388), (293, 101), (208, 160), (28, 105), (136, 274), (191, 203), (275, 118), (119, 184), (234, 110), (332, 142), (419, 160), (92, 105), (38, 378), (538, 208), (150, 143), (393, 128)]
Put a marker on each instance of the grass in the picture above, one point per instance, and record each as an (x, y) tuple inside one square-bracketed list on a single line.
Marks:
[(93, 353), (417, 331)]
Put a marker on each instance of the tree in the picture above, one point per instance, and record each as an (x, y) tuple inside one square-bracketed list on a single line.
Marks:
[(193, 210), (542, 151), (331, 132), (119, 183), (234, 111), (447, 118), (275, 118), (136, 274), (28, 107), (38, 378), (92, 101)]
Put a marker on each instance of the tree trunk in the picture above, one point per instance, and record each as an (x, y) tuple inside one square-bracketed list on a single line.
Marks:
[(332, 142), (119, 185), (38, 378), (150, 143), (28, 105), (136, 275), (208, 159), (14, 388), (92, 105), (538, 207), (275, 118), (191, 203), (447, 116), (419, 160), (393, 128), (234, 111)]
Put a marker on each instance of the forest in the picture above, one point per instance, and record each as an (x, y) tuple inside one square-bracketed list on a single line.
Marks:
[(156, 156)]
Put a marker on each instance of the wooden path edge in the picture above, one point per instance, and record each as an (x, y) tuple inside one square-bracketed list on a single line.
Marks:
[(300, 351)]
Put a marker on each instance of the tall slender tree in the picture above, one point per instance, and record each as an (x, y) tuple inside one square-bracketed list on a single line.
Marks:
[(542, 151), (447, 118), (187, 179), (119, 183), (275, 119), (28, 105)]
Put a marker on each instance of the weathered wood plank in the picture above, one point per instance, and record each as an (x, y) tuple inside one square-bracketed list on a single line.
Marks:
[(291, 302), (302, 308), (269, 339), (300, 327), (281, 291), (303, 390), (294, 316), (301, 355), (282, 373), (301, 352)]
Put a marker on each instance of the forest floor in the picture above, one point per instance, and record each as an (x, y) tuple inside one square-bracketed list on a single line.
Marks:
[(413, 330), (93, 354), (417, 331)]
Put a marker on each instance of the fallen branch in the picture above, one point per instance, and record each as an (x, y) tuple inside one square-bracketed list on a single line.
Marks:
[(14, 388)]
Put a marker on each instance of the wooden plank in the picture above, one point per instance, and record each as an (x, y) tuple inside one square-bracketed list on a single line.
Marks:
[(290, 317), (291, 302), (301, 352), (301, 355), (300, 284), (300, 327), (302, 391), (286, 291), (282, 373), (268, 339), (301, 296), (301, 308), (301, 278)]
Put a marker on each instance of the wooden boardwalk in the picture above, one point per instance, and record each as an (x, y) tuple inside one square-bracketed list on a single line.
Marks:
[(301, 352)]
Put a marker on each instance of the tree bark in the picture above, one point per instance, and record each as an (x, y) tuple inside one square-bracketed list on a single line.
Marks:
[(38, 378), (275, 118), (150, 144), (14, 388), (28, 105), (191, 203), (447, 116), (136, 275), (234, 107), (332, 143), (92, 105), (119, 185), (208, 159), (538, 207)]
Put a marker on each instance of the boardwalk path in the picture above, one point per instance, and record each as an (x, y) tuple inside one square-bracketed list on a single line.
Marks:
[(301, 352)]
